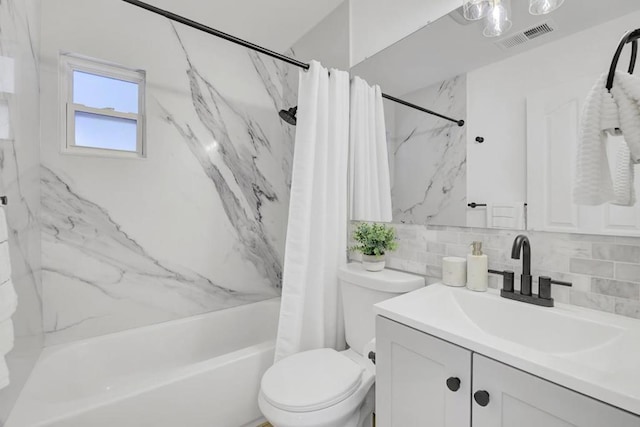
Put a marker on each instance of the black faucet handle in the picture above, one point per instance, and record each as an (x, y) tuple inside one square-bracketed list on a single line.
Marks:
[(544, 286), (508, 277)]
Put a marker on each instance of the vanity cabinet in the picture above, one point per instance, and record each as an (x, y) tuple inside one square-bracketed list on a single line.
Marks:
[(412, 371), (523, 400), (413, 379)]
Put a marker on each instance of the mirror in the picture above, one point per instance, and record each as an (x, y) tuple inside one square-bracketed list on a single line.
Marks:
[(521, 96)]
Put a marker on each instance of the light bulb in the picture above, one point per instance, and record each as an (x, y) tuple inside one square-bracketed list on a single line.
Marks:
[(542, 7), (498, 21), (476, 9)]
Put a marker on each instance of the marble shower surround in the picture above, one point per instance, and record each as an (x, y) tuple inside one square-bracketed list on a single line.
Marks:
[(428, 156), (199, 224), (604, 270)]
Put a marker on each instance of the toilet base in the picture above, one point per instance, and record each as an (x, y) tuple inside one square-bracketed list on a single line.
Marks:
[(339, 415)]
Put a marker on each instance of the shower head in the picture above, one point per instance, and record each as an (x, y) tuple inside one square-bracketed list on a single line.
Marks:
[(289, 115)]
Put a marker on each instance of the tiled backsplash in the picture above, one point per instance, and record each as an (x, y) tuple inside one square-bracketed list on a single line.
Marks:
[(604, 270)]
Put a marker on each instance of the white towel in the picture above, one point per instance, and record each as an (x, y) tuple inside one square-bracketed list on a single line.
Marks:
[(623, 185), (593, 184), (509, 215), (626, 93), (605, 114)]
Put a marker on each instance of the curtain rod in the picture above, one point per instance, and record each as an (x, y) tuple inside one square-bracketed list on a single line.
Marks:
[(198, 26)]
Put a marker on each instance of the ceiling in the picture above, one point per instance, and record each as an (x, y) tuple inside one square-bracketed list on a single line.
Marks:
[(275, 24), (452, 46)]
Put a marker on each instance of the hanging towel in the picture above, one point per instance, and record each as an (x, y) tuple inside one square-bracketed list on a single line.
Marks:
[(310, 313), (623, 184), (593, 184), (369, 182), (626, 93), (609, 114)]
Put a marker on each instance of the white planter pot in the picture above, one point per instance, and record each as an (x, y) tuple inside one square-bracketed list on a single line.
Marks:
[(373, 262)]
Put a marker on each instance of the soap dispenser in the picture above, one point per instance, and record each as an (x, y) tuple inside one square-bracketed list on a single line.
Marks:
[(477, 269)]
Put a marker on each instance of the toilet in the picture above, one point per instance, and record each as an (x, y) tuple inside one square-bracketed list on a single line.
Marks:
[(327, 388)]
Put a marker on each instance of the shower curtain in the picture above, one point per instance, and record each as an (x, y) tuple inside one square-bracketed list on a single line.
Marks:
[(369, 184), (311, 314)]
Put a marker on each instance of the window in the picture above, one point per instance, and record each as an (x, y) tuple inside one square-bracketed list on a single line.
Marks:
[(103, 108)]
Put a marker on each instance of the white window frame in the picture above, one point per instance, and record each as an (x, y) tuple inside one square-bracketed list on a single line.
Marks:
[(68, 64)]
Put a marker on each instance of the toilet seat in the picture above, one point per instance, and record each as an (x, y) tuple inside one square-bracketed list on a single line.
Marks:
[(311, 380)]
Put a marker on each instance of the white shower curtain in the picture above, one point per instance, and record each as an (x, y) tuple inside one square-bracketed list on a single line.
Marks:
[(369, 184), (310, 314)]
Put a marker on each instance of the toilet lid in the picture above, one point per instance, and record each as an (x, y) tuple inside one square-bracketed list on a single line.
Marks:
[(311, 380)]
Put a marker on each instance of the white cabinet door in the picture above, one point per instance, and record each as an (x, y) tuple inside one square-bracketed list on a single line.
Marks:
[(412, 369), (518, 399)]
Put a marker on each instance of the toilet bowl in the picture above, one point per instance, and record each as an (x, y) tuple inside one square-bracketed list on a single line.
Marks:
[(327, 388), (318, 388)]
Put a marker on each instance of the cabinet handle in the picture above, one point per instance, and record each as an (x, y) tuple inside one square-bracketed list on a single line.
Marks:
[(453, 383), (481, 397)]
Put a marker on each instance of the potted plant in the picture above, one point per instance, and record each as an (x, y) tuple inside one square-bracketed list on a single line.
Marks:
[(374, 241)]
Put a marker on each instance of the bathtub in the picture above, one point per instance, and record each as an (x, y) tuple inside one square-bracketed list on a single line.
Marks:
[(199, 371)]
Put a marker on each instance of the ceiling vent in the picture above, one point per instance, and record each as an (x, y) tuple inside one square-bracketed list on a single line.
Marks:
[(538, 31), (527, 35)]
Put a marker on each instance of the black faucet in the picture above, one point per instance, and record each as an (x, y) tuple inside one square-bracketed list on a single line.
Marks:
[(521, 244)]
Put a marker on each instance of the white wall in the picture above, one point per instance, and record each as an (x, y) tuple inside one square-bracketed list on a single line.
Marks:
[(273, 24), (377, 24), (327, 42), (496, 100)]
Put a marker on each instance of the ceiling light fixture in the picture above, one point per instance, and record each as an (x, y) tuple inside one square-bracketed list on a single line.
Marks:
[(497, 20), (474, 10), (497, 13), (542, 7)]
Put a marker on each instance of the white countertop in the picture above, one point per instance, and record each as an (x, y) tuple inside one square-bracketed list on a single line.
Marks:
[(591, 352)]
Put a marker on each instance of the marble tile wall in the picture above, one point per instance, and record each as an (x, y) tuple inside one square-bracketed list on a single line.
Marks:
[(604, 270), (196, 226), (428, 156), (19, 181)]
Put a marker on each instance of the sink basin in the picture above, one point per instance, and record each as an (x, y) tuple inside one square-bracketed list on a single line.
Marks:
[(544, 329)]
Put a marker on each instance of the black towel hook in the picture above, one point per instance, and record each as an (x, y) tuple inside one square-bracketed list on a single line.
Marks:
[(630, 37)]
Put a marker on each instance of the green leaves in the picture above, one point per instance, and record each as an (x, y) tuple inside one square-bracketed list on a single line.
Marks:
[(374, 239)]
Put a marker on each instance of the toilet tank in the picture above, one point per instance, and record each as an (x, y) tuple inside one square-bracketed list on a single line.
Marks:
[(362, 289)]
